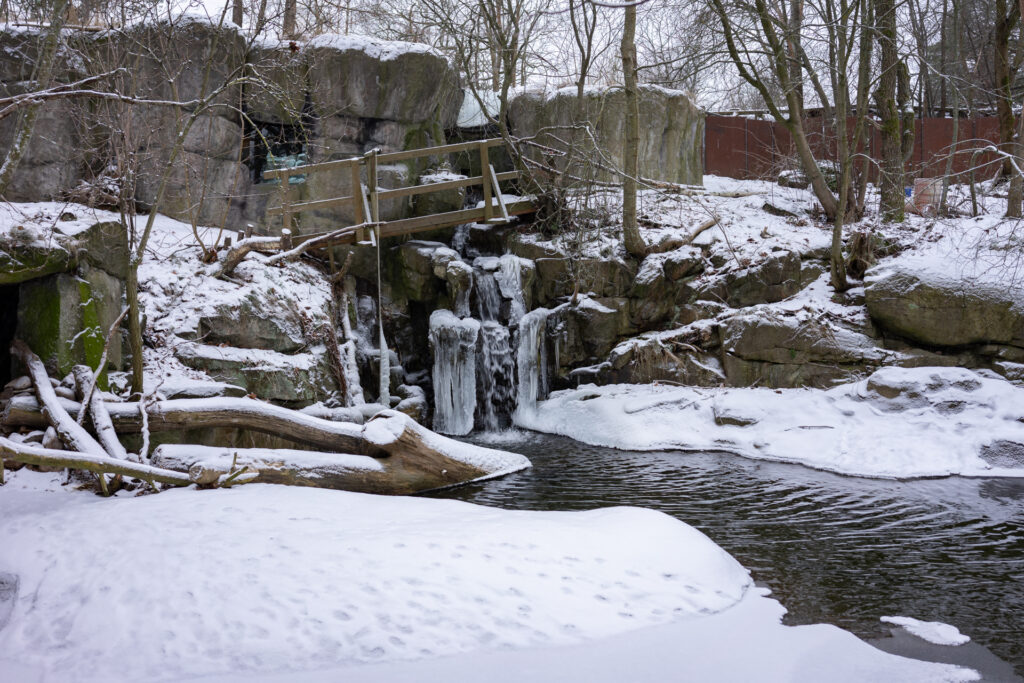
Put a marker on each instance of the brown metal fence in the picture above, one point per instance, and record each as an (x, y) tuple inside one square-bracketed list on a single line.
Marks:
[(739, 147)]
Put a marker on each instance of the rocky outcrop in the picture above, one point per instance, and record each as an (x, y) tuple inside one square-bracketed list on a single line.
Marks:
[(66, 272), (671, 128), (912, 300), (330, 98)]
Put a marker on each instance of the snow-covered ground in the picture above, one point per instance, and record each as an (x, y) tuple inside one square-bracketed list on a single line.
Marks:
[(899, 422), (277, 583)]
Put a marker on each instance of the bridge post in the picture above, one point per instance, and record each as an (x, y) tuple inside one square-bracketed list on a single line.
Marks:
[(485, 164)]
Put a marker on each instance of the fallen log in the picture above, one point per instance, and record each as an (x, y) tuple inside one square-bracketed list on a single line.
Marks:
[(197, 413), (406, 458), (71, 433), (97, 411), (91, 463)]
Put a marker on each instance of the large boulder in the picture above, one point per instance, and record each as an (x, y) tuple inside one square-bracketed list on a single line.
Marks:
[(763, 347), (294, 380), (671, 127), (589, 330), (937, 303), (377, 79), (558, 277), (774, 279)]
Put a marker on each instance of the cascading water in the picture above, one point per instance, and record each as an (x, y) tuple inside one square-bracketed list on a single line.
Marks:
[(496, 376), (454, 343)]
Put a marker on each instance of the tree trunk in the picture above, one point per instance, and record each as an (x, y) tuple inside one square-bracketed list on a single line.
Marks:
[(181, 414), (891, 183), (1006, 18), (237, 13), (634, 243), (288, 23)]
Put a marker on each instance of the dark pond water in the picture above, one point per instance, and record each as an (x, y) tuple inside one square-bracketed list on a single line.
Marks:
[(833, 549)]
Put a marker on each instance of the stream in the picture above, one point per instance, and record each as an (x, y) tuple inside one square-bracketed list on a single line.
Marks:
[(833, 549)]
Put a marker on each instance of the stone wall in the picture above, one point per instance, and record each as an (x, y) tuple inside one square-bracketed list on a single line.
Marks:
[(671, 129), (333, 97)]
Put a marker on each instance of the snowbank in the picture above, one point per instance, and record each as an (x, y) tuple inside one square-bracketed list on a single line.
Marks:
[(899, 422), (281, 581)]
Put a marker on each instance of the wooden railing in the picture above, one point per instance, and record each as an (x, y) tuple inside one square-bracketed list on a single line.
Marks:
[(366, 197)]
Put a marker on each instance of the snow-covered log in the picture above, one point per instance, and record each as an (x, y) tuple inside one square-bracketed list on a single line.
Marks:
[(98, 413), (198, 413), (403, 458), (99, 464), (74, 436)]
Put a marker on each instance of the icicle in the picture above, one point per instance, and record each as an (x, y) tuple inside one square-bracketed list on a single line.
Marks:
[(496, 369), (531, 360), (454, 345)]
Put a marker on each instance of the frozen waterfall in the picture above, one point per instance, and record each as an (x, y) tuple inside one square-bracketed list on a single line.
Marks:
[(532, 360), (454, 343)]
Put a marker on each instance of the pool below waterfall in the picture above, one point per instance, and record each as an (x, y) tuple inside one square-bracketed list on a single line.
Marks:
[(833, 549)]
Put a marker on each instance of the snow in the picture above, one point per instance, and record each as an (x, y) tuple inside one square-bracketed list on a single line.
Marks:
[(471, 114), (383, 50), (898, 423), (933, 631), (278, 583), (44, 218)]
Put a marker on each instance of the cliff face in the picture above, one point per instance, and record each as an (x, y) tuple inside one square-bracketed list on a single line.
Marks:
[(671, 130), (269, 104)]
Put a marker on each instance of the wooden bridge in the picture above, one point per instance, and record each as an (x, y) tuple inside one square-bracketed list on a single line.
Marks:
[(367, 196)]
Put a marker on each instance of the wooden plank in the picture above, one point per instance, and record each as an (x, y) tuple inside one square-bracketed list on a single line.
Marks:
[(438, 151), (443, 220), (394, 193), (359, 209), (384, 158), (310, 205), (313, 168)]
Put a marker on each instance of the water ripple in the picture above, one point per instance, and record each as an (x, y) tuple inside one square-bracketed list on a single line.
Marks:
[(834, 549)]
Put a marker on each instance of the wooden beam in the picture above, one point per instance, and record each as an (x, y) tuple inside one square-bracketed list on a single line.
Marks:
[(484, 165), (310, 205), (497, 189)]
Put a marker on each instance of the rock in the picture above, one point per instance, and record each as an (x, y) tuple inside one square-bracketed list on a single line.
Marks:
[(897, 389), (603, 278), (589, 330), (193, 388), (764, 335), (413, 402), (294, 380), (181, 59), (683, 262), (764, 348), (367, 78), (65, 318), (441, 201), (288, 71), (524, 246), (199, 188), (656, 358), (914, 301), (414, 270), (671, 127), (794, 179), (254, 322), (774, 279)]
